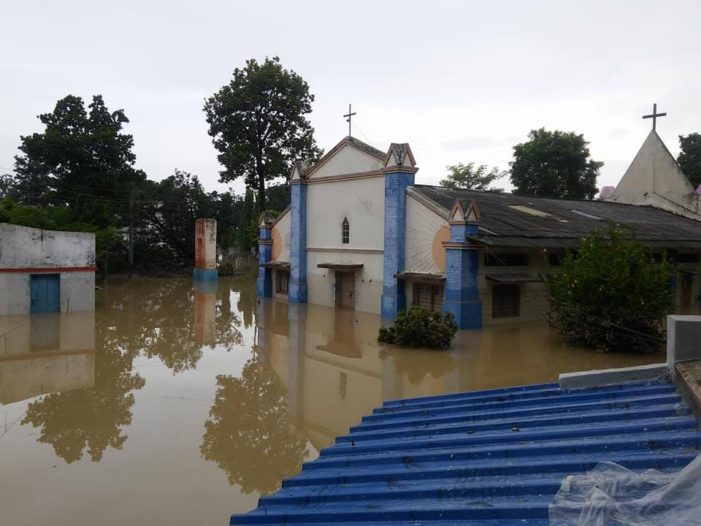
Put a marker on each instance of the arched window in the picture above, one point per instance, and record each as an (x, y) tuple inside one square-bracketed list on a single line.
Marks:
[(345, 231)]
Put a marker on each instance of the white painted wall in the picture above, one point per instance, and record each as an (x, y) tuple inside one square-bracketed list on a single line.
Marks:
[(362, 201), (77, 291), (321, 282), (347, 160), (281, 238), (422, 227), (14, 293), (21, 246)]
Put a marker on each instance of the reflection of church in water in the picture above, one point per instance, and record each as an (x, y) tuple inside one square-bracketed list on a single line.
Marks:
[(335, 371)]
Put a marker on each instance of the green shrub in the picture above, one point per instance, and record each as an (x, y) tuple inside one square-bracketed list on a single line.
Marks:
[(612, 295), (419, 327)]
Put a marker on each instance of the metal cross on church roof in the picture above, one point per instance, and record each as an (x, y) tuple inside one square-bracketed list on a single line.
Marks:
[(654, 116), (348, 117)]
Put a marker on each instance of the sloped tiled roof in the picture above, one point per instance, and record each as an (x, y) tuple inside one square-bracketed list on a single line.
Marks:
[(487, 458), (522, 221)]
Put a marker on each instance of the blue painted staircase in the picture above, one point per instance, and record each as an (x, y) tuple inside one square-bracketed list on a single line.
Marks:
[(489, 458)]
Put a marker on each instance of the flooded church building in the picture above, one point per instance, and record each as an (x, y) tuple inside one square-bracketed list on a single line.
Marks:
[(360, 233)]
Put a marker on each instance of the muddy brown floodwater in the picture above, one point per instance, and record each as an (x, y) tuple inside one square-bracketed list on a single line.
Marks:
[(174, 406)]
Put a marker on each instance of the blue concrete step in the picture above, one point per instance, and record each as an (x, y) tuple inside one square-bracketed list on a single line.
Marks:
[(490, 458)]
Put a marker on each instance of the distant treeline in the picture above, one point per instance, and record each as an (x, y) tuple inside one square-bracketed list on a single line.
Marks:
[(78, 174)]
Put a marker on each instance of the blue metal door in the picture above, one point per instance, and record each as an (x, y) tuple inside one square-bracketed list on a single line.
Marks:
[(45, 293)]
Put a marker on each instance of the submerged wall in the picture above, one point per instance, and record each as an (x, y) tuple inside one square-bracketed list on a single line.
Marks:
[(27, 252)]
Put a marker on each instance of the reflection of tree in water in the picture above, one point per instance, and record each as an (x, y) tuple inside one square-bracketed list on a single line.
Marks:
[(416, 363), (157, 316), (247, 433), (227, 321), (89, 419)]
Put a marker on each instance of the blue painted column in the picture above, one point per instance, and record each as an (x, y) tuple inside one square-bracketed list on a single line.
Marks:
[(297, 290), (399, 173), (264, 284), (461, 294)]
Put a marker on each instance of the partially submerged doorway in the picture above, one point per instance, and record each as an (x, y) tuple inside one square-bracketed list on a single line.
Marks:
[(344, 282), (45, 293), (345, 290)]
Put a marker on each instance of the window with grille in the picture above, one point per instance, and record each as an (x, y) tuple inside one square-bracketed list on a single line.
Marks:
[(345, 231), (428, 296), (282, 282), (506, 300)]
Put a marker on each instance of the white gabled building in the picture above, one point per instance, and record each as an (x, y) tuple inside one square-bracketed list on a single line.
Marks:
[(655, 179), (361, 234)]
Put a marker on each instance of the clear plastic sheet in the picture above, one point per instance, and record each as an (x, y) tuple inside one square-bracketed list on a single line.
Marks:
[(611, 495)]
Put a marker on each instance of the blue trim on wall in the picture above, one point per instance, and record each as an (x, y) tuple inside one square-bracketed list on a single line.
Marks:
[(393, 294), (461, 295), (297, 289), (458, 232), (264, 283), (205, 274)]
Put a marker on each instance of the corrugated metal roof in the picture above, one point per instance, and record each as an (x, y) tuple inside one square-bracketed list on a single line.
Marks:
[(507, 219), (489, 458)]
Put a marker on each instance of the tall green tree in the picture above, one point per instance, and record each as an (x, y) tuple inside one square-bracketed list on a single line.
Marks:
[(554, 164), (7, 186), (689, 158), (82, 160), (167, 213), (258, 124), (278, 197), (469, 177)]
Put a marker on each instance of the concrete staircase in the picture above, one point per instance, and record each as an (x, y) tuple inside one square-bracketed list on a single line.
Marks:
[(486, 458)]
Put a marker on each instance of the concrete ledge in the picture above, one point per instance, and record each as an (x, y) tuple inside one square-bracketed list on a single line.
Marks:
[(683, 339), (688, 377), (596, 378)]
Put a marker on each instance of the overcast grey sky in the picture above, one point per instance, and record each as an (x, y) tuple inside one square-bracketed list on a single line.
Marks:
[(460, 81)]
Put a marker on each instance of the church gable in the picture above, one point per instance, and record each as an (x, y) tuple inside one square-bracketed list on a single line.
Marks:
[(350, 156), (653, 171)]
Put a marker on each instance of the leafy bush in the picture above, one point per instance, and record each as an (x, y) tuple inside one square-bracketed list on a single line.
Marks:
[(419, 327), (612, 296)]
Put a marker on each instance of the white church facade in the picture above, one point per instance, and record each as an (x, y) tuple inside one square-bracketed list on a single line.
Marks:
[(361, 234)]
